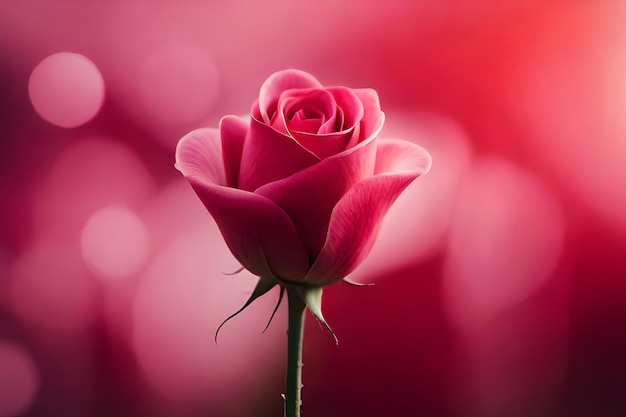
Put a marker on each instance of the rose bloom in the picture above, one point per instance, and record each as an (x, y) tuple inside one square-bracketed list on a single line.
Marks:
[(299, 191)]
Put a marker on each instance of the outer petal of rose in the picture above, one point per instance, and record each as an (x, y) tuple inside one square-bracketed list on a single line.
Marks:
[(324, 146), (279, 82), (356, 218), (372, 118), (309, 196), (233, 132), (258, 232), (268, 155)]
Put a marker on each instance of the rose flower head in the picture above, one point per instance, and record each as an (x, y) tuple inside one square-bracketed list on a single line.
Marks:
[(299, 190)]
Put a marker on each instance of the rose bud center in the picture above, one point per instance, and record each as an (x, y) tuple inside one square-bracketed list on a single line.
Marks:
[(313, 111)]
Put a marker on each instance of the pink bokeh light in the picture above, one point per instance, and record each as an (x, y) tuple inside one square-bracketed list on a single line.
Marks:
[(169, 215), (19, 380), (114, 242), (66, 89), (506, 239), (92, 173)]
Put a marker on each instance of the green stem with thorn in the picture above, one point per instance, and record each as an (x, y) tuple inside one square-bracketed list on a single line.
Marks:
[(295, 331)]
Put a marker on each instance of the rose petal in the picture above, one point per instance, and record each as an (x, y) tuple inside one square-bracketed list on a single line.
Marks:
[(300, 124), (309, 196), (350, 111), (314, 103), (297, 107), (199, 155), (396, 156), (324, 146), (269, 155), (351, 105), (334, 124), (258, 232), (356, 218), (372, 115), (278, 82), (233, 133)]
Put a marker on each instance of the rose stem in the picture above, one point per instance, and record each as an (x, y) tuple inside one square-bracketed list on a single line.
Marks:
[(293, 398)]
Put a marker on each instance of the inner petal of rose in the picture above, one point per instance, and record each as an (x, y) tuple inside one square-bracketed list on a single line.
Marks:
[(333, 124), (351, 107), (302, 122), (299, 107), (306, 114)]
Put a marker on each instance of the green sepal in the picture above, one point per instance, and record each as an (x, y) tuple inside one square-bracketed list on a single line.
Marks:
[(312, 296), (234, 273), (262, 287), (280, 299)]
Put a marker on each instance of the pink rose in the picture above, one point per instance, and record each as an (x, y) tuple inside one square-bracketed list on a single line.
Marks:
[(299, 191)]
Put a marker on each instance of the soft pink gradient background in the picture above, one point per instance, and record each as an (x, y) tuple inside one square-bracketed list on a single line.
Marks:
[(500, 277)]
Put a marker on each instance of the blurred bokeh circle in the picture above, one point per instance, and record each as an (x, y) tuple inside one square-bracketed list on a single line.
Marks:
[(66, 89)]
